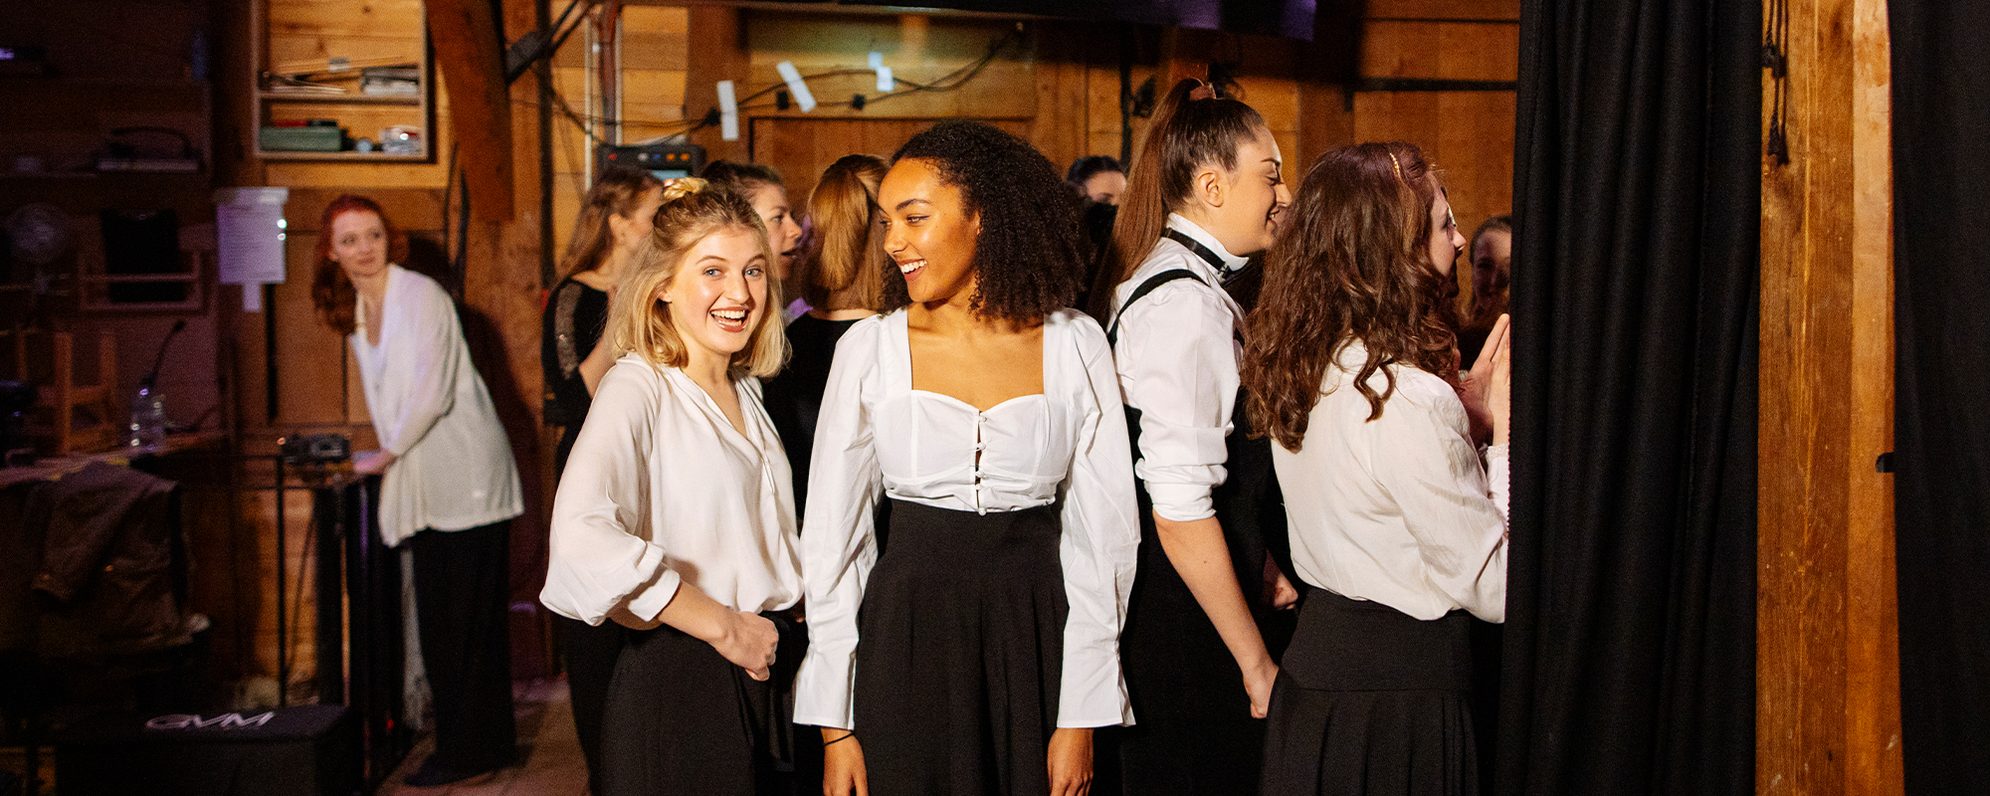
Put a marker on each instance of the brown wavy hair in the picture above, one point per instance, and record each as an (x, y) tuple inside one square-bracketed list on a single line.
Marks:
[(1193, 127), (1353, 265), (618, 192), (332, 294), (847, 257)]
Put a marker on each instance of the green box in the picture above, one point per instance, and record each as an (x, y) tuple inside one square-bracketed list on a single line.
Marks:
[(300, 139)]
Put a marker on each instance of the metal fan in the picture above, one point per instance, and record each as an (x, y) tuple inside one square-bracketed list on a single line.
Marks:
[(39, 234)]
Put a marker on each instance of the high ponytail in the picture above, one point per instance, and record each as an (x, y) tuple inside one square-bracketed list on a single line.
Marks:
[(1192, 127)]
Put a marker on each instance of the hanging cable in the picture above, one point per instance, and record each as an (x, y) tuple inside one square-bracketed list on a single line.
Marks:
[(1776, 59)]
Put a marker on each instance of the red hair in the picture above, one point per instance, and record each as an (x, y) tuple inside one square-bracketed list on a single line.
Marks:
[(331, 292)]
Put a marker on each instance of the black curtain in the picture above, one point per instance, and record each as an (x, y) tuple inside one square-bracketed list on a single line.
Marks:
[(1941, 187), (1630, 639)]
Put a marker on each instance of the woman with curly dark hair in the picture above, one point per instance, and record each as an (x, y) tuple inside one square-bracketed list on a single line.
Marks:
[(1398, 525), (988, 415)]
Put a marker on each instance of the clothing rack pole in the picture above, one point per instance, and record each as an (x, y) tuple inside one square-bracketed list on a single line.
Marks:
[(282, 587)]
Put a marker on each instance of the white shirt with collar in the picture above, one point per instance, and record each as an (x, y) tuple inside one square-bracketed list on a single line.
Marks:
[(878, 435), (662, 490), (453, 468), (1398, 510), (1176, 353)]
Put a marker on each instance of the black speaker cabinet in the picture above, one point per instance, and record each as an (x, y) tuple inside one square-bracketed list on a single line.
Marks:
[(308, 749)]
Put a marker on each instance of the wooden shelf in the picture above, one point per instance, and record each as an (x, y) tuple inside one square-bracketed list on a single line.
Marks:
[(363, 157), (340, 99)]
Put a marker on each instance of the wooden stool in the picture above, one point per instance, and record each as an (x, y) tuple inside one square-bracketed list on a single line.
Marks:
[(74, 416)]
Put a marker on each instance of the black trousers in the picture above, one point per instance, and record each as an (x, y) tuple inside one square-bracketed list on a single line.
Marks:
[(681, 719), (589, 652), (462, 584)]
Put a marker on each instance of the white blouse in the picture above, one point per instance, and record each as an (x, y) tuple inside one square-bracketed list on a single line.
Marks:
[(662, 490), (876, 433), (453, 469), (1398, 510), (1177, 356)]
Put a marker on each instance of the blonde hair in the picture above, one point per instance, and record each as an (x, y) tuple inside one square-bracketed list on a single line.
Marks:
[(638, 323), (848, 258)]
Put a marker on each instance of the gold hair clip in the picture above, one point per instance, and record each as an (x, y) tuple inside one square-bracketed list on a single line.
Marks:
[(1202, 91), (677, 188), (1398, 164)]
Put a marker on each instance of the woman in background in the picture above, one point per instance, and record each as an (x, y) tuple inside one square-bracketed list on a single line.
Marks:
[(675, 518), (1492, 280), (1099, 179), (450, 488), (842, 282), (1398, 524), (614, 224), (763, 188)]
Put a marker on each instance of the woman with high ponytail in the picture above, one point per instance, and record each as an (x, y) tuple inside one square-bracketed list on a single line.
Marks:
[(1204, 194), (675, 517), (842, 281)]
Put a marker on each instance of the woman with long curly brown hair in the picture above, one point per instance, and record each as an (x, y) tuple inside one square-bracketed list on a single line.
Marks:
[(1398, 525)]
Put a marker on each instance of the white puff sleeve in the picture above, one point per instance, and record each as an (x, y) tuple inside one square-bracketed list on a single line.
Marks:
[(597, 566), (1100, 544), (838, 544)]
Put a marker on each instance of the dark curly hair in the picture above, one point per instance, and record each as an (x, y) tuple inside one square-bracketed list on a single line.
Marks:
[(1027, 260)]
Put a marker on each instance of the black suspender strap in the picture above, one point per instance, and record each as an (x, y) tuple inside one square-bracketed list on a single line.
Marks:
[(1155, 281), (1200, 250)]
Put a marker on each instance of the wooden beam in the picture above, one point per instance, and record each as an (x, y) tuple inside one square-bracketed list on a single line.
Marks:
[(1827, 635), (468, 49)]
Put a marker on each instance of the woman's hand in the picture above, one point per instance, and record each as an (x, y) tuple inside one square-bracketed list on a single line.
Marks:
[(372, 462), (843, 765), (1070, 761), (749, 641), (1279, 592), (1474, 391), (1258, 681)]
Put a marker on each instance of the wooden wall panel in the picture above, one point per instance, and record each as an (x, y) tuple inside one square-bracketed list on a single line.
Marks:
[(1451, 50), (1467, 134), (1827, 636), (802, 148)]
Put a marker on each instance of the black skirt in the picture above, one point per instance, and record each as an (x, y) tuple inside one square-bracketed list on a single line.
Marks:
[(962, 635), (681, 719), (1371, 700)]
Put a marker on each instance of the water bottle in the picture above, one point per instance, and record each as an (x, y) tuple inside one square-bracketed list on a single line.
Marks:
[(148, 419)]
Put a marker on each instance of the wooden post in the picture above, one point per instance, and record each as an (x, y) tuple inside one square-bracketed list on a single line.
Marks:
[(469, 49), (1827, 635)]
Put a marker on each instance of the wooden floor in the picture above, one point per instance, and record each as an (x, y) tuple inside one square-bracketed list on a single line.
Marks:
[(553, 765)]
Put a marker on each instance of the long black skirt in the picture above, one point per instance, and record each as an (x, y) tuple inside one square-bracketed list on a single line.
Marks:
[(681, 719), (960, 651), (1371, 700)]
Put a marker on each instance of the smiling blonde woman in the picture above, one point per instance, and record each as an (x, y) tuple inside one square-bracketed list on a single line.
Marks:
[(675, 516)]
